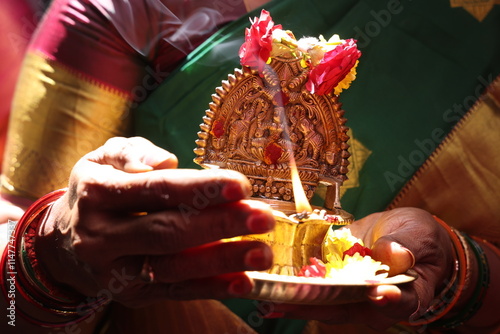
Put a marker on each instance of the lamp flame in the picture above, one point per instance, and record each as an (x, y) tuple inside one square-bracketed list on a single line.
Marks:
[(301, 202)]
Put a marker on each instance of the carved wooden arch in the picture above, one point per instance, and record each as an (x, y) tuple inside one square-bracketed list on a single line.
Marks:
[(256, 121)]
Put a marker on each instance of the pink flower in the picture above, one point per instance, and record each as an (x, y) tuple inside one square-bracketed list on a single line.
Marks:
[(256, 49), (316, 269), (334, 67)]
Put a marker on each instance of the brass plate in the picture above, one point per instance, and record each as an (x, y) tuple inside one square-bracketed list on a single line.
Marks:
[(314, 290)]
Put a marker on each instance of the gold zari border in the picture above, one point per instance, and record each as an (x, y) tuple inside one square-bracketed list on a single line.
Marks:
[(460, 181), (57, 117), (477, 8)]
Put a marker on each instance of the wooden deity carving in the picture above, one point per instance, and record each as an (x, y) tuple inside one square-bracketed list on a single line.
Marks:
[(254, 124)]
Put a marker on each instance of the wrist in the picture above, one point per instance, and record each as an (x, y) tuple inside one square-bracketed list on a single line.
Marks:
[(466, 303), (486, 319), (52, 254), (44, 302), (454, 285), (474, 289)]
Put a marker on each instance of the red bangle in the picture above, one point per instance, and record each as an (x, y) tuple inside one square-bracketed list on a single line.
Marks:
[(476, 300), (34, 274), (19, 265)]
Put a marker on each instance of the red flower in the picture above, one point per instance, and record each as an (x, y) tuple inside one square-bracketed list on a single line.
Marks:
[(316, 269), (357, 248), (334, 67), (256, 49)]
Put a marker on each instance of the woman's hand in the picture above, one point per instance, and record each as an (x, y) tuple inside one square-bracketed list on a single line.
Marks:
[(129, 217), (402, 238)]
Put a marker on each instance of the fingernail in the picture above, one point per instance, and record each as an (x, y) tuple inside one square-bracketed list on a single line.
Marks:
[(239, 287), (234, 191), (258, 258), (272, 315), (379, 300), (158, 157), (260, 223), (137, 167), (411, 256)]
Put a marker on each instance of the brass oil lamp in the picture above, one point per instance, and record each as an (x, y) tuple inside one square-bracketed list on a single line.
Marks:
[(246, 130), (288, 142)]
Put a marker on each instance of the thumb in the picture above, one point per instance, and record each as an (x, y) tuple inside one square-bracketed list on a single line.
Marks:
[(133, 155), (397, 257), (162, 160)]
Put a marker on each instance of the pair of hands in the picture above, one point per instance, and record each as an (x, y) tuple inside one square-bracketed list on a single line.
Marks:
[(127, 202)]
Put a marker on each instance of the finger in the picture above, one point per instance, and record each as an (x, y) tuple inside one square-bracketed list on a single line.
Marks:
[(398, 258), (184, 189), (212, 260), (407, 236), (428, 246), (171, 232), (133, 155), (395, 302)]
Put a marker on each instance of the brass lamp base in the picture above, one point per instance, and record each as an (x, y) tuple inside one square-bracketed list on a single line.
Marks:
[(298, 237)]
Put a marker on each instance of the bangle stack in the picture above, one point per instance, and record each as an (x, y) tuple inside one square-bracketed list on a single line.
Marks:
[(20, 266), (436, 316), (469, 310)]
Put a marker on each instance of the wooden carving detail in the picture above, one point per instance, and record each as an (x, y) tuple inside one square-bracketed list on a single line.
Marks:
[(255, 123)]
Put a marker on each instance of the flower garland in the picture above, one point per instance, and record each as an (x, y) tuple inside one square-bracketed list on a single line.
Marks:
[(331, 64)]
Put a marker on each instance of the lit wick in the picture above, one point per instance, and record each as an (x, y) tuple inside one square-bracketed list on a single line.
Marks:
[(302, 206)]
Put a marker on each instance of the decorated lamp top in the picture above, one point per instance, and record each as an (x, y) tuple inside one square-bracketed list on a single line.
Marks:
[(281, 106)]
